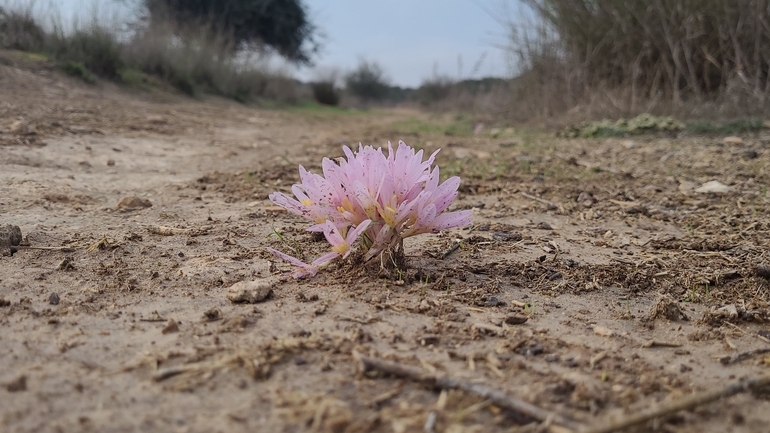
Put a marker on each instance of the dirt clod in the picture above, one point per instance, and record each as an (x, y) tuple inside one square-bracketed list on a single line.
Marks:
[(212, 315), (603, 331), (252, 292), (763, 271), (133, 203), (17, 385), (515, 319), (19, 127), (667, 308), (67, 264), (10, 236), (171, 326)]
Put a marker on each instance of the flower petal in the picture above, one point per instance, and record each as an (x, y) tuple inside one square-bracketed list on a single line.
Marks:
[(326, 258), (287, 203), (303, 269), (356, 232), (332, 234), (449, 220)]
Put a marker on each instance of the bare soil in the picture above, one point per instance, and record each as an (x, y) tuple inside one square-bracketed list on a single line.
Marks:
[(140, 209)]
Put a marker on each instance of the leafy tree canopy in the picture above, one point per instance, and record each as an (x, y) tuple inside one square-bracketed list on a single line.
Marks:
[(280, 24)]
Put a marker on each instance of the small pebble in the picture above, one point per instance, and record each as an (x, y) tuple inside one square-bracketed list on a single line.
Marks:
[(535, 350), (54, 298)]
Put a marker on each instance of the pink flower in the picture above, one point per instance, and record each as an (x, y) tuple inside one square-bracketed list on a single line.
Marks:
[(383, 199), (341, 243)]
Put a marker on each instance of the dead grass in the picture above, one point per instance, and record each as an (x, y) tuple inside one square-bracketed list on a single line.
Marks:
[(615, 58), (193, 59)]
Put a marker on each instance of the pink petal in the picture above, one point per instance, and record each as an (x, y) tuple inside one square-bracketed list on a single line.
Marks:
[(304, 269), (288, 203), (449, 220), (356, 232), (446, 193), (326, 258), (332, 234), (426, 216)]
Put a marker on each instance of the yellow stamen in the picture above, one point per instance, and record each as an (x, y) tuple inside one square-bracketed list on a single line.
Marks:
[(347, 205), (341, 249), (307, 202)]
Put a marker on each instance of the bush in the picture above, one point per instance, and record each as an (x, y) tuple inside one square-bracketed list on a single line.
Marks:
[(191, 58), (198, 59), (325, 93), (368, 82), (77, 70), (20, 31), (433, 90)]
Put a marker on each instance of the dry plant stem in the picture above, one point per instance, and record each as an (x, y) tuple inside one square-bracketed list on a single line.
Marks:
[(544, 201), (446, 382), (64, 249), (448, 252), (686, 403)]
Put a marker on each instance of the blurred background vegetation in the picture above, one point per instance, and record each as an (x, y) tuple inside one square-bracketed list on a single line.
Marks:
[(572, 60)]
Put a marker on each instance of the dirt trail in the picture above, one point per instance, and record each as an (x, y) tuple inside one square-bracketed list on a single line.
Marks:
[(116, 327)]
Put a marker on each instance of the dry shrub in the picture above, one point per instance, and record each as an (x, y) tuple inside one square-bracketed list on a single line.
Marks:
[(325, 90), (442, 93), (192, 57), (196, 58), (692, 58), (95, 47)]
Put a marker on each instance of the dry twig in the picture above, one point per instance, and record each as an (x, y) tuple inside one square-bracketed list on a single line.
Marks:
[(743, 356), (446, 382), (686, 403), (455, 245)]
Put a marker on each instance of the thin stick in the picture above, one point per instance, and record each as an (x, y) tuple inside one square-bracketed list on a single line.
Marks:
[(541, 200), (686, 403), (743, 355), (446, 382), (450, 250)]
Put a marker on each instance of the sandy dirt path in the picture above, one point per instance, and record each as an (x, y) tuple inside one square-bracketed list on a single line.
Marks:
[(116, 327)]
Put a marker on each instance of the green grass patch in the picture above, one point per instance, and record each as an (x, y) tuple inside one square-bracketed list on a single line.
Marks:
[(643, 123), (729, 127), (78, 70), (314, 110), (414, 126), (136, 79)]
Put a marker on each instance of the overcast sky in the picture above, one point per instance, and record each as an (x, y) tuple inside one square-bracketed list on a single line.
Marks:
[(408, 38), (411, 37)]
